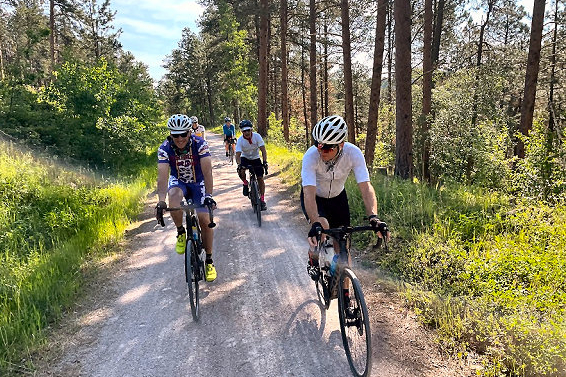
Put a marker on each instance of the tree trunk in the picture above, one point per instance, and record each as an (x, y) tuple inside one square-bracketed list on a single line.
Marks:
[(52, 32), (531, 76), (348, 86), (375, 93), (389, 52), (312, 61), (427, 89), (263, 69), (326, 94), (304, 95), (284, 73), (439, 18), (403, 103)]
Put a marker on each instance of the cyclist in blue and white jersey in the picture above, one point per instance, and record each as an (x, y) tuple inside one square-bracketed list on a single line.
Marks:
[(229, 133), (248, 147), (326, 166), (184, 170)]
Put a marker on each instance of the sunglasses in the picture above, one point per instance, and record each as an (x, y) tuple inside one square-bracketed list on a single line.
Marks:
[(326, 147), (184, 134)]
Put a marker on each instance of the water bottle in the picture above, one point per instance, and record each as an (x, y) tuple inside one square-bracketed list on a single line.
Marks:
[(333, 264), (195, 233)]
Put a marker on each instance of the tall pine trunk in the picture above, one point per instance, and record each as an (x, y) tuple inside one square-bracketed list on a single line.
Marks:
[(263, 68), (348, 86), (375, 93), (531, 76), (427, 89), (284, 73), (312, 61), (403, 103)]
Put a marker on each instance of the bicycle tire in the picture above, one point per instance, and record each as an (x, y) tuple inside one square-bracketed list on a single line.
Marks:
[(192, 279), (355, 326), (231, 154), (257, 204), (323, 291)]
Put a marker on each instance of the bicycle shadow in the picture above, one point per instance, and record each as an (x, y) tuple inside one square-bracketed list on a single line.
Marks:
[(308, 326)]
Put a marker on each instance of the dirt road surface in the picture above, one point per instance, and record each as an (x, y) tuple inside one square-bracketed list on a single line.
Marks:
[(261, 317)]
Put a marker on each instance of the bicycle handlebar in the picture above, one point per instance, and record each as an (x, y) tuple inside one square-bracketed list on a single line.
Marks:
[(189, 206), (342, 231)]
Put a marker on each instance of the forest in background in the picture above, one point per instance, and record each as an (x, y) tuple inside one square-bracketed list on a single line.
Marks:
[(463, 102)]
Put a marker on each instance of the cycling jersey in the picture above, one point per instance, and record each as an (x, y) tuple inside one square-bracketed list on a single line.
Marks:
[(229, 130), (185, 164), (199, 131), (330, 177), (250, 148)]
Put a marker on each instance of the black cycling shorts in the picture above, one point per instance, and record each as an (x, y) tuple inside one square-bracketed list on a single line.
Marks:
[(253, 164), (335, 210)]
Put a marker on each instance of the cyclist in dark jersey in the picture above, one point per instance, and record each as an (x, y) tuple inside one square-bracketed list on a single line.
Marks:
[(184, 168)]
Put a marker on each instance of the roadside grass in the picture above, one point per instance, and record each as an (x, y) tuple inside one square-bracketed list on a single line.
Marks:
[(486, 271), (53, 220)]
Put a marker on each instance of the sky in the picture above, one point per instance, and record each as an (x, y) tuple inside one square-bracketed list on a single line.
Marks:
[(152, 29)]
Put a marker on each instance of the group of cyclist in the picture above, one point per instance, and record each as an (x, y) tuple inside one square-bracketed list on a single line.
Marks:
[(185, 171)]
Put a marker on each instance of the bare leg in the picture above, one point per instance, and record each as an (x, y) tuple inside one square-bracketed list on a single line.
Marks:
[(175, 197)]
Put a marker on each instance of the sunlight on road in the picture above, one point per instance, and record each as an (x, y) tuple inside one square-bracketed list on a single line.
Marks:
[(96, 316), (134, 294)]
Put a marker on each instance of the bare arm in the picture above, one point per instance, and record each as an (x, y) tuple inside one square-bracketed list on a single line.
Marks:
[(368, 195), (206, 166), (238, 158), (309, 193), (162, 178), (263, 153)]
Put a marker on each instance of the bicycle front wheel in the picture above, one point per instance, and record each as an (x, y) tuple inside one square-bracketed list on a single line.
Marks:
[(191, 274), (354, 325), (256, 201)]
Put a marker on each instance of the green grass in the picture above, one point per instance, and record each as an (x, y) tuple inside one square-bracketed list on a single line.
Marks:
[(52, 221), (488, 272)]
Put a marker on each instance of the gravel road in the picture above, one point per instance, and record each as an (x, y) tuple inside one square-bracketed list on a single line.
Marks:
[(261, 317)]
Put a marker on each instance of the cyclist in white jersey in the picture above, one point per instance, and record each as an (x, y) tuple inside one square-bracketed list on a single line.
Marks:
[(196, 129), (326, 166)]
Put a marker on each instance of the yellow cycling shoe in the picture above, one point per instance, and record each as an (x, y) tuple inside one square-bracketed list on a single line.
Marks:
[(209, 272), (181, 243)]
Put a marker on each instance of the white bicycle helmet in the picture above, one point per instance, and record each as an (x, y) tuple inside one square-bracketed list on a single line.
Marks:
[(178, 123), (330, 130), (194, 119)]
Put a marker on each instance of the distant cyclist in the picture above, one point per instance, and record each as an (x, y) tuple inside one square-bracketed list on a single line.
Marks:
[(248, 147), (326, 166), (196, 129), (184, 170), (229, 134)]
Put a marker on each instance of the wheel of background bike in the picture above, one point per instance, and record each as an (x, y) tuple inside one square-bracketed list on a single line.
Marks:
[(354, 325), (231, 153), (192, 282)]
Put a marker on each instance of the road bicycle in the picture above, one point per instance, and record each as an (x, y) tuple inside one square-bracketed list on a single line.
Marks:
[(194, 253), (254, 193), (334, 278), (231, 151)]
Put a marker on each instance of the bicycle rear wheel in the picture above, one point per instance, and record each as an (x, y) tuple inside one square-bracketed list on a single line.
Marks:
[(192, 278), (354, 325)]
